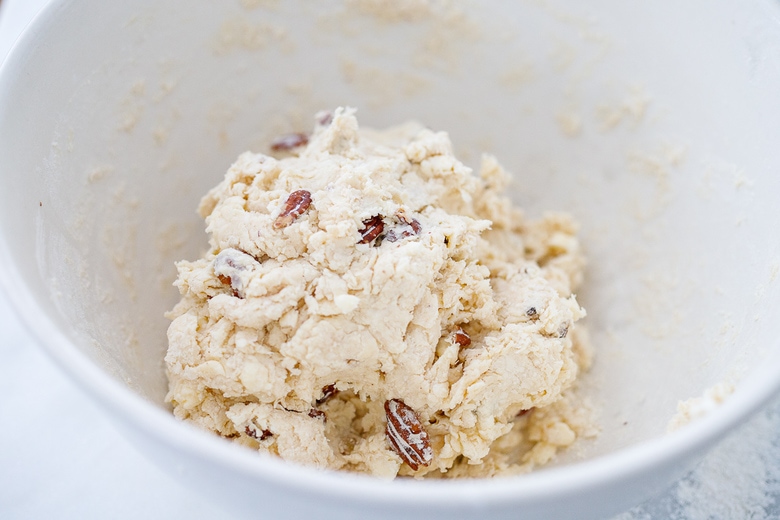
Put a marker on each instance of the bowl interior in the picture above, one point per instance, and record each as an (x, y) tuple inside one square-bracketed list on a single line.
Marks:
[(656, 128)]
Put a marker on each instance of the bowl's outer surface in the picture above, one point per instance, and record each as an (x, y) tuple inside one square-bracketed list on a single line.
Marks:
[(656, 128)]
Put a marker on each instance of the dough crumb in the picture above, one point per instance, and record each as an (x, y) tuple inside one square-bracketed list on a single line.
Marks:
[(697, 407), (369, 303)]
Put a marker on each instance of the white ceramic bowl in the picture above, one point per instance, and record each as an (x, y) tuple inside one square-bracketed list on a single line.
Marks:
[(657, 127)]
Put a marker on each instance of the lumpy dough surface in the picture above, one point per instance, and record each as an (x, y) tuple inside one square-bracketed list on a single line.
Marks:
[(405, 276)]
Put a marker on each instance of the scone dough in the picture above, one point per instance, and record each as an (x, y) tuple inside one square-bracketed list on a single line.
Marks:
[(293, 332)]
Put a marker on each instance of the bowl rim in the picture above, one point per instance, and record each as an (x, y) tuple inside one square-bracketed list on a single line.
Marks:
[(754, 390)]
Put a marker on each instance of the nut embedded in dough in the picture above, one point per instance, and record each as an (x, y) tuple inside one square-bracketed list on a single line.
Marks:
[(295, 206), (407, 435), (289, 142), (461, 338), (371, 230)]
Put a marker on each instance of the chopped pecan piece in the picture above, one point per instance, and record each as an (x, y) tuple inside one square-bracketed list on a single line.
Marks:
[(317, 414), (324, 117), (373, 227), (297, 203), (413, 223), (226, 280), (408, 228), (289, 142), (260, 436), (229, 265), (327, 392), (406, 434), (461, 338)]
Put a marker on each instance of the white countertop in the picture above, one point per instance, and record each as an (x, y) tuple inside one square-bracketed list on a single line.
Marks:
[(61, 458)]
